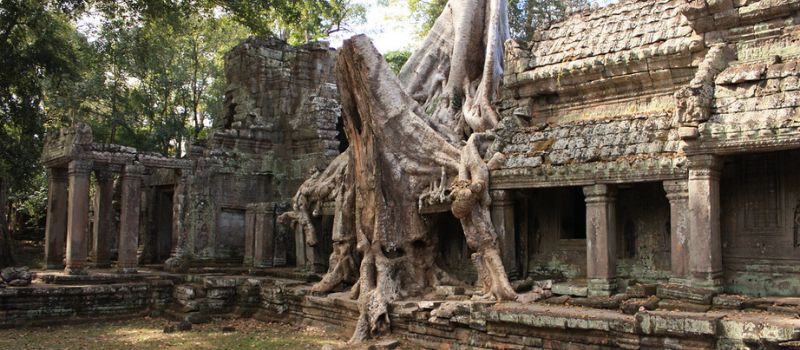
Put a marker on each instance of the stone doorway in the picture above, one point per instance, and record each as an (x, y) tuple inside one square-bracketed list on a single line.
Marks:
[(452, 252), (159, 238), (643, 233), (230, 235), (760, 223), (550, 225)]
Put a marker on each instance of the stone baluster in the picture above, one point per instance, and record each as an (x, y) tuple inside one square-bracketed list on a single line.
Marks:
[(705, 256), (78, 216), (129, 218), (56, 225), (502, 212), (601, 239), (678, 196)]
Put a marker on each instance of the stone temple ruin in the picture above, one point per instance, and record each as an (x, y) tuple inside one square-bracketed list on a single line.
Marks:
[(647, 193)]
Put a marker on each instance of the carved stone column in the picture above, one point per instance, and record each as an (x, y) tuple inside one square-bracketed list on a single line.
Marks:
[(78, 216), (104, 216), (678, 196), (179, 258), (300, 251), (502, 211), (282, 235), (56, 226), (264, 236), (705, 256), (601, 239), (249, 233), (129, 218)]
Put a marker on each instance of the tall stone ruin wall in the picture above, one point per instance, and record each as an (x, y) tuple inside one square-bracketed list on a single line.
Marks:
[(280, 124)]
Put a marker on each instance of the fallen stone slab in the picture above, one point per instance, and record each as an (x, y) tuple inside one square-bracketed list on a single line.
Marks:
[(222, 282), (679, 305), (634, 305), (641, 290), (522, 286), (729, 301), (557, 300), (570, 289), (761, 303), (446, 291), (680, 292), (759, 326), (386, 344), (197, 318), (599, 302), (792, 311), (677, 323)]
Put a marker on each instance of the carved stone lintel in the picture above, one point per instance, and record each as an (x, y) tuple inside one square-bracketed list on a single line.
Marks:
[(80, 166)]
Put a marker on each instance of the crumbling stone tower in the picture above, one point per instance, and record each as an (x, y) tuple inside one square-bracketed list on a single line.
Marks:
[(280, 125)]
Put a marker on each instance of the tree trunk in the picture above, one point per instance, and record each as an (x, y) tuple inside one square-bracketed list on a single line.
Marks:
[(406, 138), (6, 257)]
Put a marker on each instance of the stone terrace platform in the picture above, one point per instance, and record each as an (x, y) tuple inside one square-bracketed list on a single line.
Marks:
[(644, 319)]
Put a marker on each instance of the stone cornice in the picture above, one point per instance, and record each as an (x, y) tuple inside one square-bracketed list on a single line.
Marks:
[(733, 139), (643, 170)]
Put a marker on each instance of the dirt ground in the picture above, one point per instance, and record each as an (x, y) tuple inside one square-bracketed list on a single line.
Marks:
[(147, 333)]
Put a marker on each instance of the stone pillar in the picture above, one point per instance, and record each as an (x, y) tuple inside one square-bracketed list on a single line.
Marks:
[(180, 232), (249, 233), (705, 256), (601, 239), (181, 250), (56, 225), (300, 250), (281, 238), (78, 216), (129, 217), (678, 196), (502, 211), (264, 237), (104, 216)]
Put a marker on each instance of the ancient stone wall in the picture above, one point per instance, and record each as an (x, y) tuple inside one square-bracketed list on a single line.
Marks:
[(30, 306), (456, 323)]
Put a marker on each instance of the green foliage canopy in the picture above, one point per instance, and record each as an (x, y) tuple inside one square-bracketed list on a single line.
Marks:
[(524, 16)]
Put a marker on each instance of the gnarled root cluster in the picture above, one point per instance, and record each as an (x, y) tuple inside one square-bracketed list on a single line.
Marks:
[(471, 205), (333, 184)]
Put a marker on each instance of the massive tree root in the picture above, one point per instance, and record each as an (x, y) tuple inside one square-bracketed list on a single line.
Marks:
[(333, 184), (405, 134)]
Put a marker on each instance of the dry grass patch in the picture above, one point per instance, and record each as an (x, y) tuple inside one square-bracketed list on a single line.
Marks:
[(147, 333)]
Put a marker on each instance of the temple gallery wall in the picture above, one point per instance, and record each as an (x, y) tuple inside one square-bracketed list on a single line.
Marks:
[(651, 149)]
